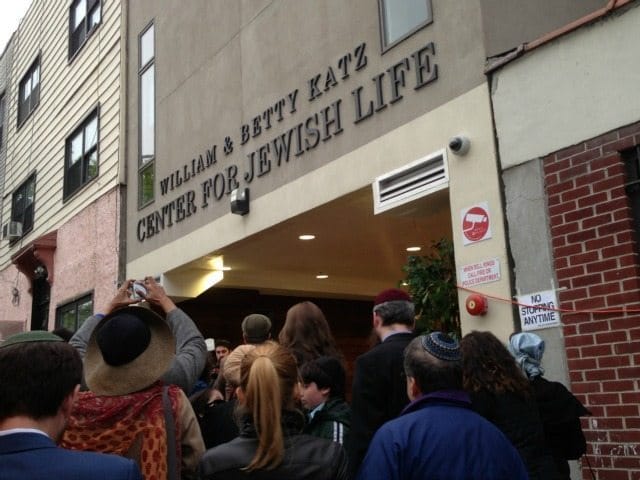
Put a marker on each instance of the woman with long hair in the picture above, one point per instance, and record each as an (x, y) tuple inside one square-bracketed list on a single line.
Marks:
[(307, 334), (270, 445), (501, 393)]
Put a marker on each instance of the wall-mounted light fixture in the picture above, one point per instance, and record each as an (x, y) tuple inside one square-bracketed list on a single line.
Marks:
[(240, 201)]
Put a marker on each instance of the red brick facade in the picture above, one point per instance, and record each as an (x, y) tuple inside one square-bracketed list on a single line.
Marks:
[(597, 267)]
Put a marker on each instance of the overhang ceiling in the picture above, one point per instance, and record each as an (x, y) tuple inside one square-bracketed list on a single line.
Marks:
[(361, 253)]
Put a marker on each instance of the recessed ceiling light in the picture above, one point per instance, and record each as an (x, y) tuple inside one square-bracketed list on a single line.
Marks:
[(226, 269), (322, 276), (307, 237), (413, 249)]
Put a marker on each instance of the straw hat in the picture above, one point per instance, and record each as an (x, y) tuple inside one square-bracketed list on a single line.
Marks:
[(129, 350)]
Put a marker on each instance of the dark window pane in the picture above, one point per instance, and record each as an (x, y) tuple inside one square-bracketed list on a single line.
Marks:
[(85, 310), (91, 165), (147, 176), (84, 16), (29, 92), (402, 16), (73, 177), (68, 320), (631, 160), (81, 157), (22, 204), (73, 314)]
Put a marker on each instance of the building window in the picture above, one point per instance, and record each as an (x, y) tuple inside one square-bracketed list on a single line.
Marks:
[(147, 141), (81, 155), (84, 17), (631, 160), (29, 92), (71, 315), (401, 18), (22, 204), (1, 120)]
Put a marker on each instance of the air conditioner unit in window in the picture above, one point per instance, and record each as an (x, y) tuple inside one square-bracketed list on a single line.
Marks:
[(12, 230)]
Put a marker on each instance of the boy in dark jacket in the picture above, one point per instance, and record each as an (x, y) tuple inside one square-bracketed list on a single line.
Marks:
[(322, 395)]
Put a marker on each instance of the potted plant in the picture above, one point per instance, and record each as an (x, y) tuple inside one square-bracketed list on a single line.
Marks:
[(431, 282)]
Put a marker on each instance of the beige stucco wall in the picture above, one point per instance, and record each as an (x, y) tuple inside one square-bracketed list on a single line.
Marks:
[(473, 180), (211, 81), (573, 88)]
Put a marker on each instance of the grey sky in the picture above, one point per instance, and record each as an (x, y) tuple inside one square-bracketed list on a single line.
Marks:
[(11, 11)]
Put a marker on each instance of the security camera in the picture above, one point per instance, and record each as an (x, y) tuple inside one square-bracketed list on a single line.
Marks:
[(459, 145)]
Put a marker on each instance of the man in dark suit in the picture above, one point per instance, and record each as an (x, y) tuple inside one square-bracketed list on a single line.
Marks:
[(379, 389), (39, 379)]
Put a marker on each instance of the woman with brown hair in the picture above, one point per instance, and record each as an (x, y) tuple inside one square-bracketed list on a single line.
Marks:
[(500, 393), (270, 445), (307, 334)]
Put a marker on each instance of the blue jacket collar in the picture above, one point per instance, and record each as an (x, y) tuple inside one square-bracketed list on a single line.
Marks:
[(18, 442), (458, 398)]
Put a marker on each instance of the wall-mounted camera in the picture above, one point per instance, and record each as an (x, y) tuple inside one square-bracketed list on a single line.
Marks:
[(459, 145), (240, 201)]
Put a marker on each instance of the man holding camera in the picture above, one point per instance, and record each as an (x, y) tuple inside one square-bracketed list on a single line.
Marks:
[(191, 350)]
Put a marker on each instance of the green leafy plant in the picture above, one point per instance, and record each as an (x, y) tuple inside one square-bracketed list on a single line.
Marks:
[(431, 282)]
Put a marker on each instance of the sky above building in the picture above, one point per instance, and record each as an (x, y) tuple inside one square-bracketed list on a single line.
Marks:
[(11, 11)]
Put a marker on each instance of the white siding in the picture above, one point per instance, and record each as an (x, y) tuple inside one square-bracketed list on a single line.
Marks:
[(69, 91)]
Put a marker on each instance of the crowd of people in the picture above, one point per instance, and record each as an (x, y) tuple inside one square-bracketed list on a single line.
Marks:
[(138, 393)]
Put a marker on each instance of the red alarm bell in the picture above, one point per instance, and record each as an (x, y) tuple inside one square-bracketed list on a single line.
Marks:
[(477, 304)]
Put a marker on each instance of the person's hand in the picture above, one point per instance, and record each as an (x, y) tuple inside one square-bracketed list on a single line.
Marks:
[(156, 295), (122, 298)]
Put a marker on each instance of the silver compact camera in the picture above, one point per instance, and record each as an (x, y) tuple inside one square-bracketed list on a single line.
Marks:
[(138, 291)]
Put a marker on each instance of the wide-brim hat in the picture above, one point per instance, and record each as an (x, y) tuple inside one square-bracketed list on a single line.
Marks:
[(138, 373)]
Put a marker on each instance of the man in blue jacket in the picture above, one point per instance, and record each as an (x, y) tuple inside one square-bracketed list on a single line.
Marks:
[(39, 379), (438, 436)]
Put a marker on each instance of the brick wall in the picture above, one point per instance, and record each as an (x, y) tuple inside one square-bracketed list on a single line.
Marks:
[(597, 268)]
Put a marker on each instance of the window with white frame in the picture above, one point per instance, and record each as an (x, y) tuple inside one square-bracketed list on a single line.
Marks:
[(146, 102), (84, 17), (22, 204), (81, 155), (29, 92), (401, 18)]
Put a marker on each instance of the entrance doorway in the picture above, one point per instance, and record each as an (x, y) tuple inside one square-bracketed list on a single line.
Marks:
[(41, 296)]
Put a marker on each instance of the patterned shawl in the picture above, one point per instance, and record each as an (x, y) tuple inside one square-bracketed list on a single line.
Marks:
[(130, 425)]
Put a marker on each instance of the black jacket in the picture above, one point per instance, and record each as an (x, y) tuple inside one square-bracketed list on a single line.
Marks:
[(306, 457), (333, 422), (560, 412), (518, 418), (379, 393), (218, 423)]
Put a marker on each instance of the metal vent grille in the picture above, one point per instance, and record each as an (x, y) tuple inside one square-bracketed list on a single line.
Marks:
[(420, 178)]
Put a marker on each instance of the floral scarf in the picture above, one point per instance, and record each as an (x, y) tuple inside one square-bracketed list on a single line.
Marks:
[(130, 425)]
